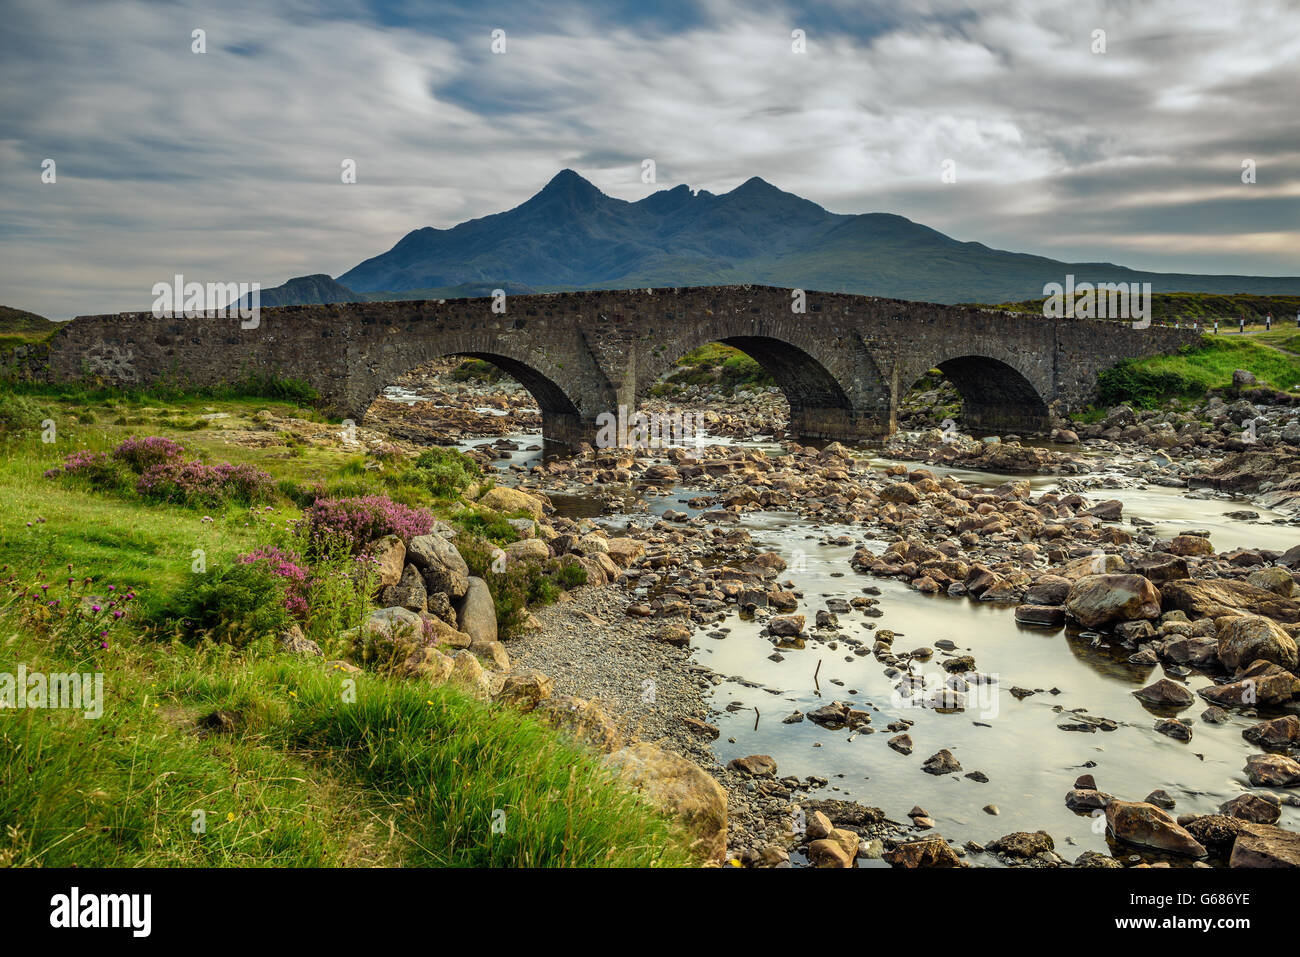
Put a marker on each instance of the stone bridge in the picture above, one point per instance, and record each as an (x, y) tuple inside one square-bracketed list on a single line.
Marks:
[(845, 363)]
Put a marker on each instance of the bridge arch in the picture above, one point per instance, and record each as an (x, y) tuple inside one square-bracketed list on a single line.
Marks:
[(568, 394), (833, 386), (996, 396)]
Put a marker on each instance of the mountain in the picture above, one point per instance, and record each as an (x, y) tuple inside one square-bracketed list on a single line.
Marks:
[(19, 327), (572, 236), (307, 291)]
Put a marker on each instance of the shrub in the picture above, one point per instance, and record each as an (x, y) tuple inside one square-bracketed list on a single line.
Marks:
[(95, 469), (444, 472), (141, 454), (195, 484), (356, 522), (287, 565), (235, 605), (19, 415)]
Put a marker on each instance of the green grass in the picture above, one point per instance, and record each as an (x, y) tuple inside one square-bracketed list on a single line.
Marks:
[(1201, 307), (715, 365), (405, 773), (1194, 370)]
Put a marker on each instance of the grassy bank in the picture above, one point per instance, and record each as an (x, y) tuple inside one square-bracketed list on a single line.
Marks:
[(1202, 307), (1195, 370), (310, 764)]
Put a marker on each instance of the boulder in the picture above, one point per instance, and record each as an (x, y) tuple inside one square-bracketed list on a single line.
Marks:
[(1262, 845), (513, 500), (525, 690), (1214, 598), (1277, 733), (1259, 808), (1145, 825), (1023, 844), (681, 788), (1099, 600), (624, 551), (1165, 693), (527, 550), (389, 553), (583, 719), (440, 564), (929, 852), (1277, 580), (1191, 545), (476, 613), (1249, 638), (408, 593), (1272, 770)]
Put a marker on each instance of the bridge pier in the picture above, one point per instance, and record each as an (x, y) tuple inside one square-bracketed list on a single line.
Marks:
[(1003, 418), (838, 424)]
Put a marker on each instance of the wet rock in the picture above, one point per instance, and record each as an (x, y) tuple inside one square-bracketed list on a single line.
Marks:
[(901, 743), (929, 852), (756, 765), (1099, 600), (1191, 545), (1272, 770), (1044, 615), (1165, 693), (1173, 728), (1259, 808), (1261, 845), (1161, 799), (786, 626), (1145, 825), (1023, 844), (1252, 638), (1276, 733), (941, 762), (1218, 597)]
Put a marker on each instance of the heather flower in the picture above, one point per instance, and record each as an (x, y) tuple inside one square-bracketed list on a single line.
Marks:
[(357, 522), (140, 454), (286, 564)]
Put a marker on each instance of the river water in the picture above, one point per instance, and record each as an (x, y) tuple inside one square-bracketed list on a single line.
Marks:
[(1030, 762)]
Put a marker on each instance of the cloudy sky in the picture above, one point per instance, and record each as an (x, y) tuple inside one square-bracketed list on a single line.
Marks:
[(225, 165)]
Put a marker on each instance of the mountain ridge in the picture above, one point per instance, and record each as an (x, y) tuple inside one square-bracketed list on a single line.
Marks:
[(571, 236)]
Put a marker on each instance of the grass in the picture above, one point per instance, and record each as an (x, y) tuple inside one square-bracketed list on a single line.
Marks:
[(1195, 370), (317, 772), (714, 365), (1200, 307)]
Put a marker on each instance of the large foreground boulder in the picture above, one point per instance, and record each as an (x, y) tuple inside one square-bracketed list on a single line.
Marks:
[(1099, 600), (1262, 845), (680, 787)]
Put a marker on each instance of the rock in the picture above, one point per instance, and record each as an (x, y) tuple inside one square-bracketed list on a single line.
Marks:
[(1165, 692), (682, 788), (1023, 844), (902, 493), (830, 853), (941, 762), (408, 593), (1259, 808), (1272, 770), (1161, 799), (527, 550), (512, 500), (1276, 733), (294, 642), (582, 719), (1214, 598), (1173, 728), (1045, 615), (525, 690), (1096, 859), (624, 551), (476, 614), (1190, 545), (929, 852), (1277, 580), (389, 553), (440, 564), (1214, 715), (1265, 689), (1261, 845), (819, 826), (676, 634), (1145, 825), (492, 653), (1252, 638), (1243, 379), (1048, 590), (756, 765), (901, 743), (1099, 600), (1109, 511), (786, 626)]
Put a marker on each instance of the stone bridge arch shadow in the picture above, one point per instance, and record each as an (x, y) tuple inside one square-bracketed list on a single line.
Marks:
[(996, 397), (566, 417), (833, 388)]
